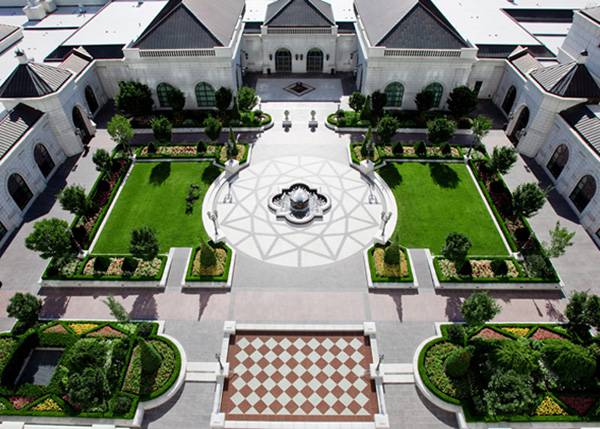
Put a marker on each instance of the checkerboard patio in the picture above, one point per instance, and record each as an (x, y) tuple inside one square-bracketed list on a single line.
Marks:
[(299, 377)]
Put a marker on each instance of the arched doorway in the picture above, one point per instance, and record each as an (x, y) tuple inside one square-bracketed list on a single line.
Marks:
[(19, 191), (81, 126), (314, 61), (283, 61), (509, 99), (43, 159), (90, 98), (518, 130), (583, 192), (559, 159)]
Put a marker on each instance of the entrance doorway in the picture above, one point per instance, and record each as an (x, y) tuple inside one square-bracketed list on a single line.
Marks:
[(283, 61), (314, 61), (518, 130), (81, 126)]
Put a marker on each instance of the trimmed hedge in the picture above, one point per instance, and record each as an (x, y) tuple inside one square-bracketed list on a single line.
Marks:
[(384, 279), (226, 269)]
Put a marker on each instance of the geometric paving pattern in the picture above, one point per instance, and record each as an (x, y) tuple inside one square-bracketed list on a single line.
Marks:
[(301, 377), (346, 229)]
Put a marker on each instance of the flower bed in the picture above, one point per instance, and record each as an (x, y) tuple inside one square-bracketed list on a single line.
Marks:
[(481, 270), (87, 345), (218, 273), (408, 152), (540, 392), (196, 118), (382, 272), (405, 118)]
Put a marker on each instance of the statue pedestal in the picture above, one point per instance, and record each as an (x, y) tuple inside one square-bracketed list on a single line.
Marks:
[(232, 166), (367, 167)]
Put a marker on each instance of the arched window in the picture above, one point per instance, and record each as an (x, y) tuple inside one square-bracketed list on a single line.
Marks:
[(205, 95), (43, 159), (438, 90), (19, 191), (90, 98), (163, 92), (509, 99), (559, 159), (314, 61), (393, 94), (283, 61), (583, 192), (81, 125), (518, 130)]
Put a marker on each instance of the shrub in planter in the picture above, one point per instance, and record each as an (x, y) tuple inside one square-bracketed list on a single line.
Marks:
[(120, 404), (207, 256), (522, 234), (456, 335), (398, 149), (421, 149), (464, 123), (144, 329), (509, 393), (134, 98), (456, 249), (247, 98), (574, 365), (151, 147), (356, 101), (89, 388), (446, 149), (200, 147), (516, 355), (457, 363), (440, 130), (391, 255), (479, 308), (129, 264), (499, 267), (101, 263), (150, 358), (162, 128), (497, 187), (189, 123), (25, 307), (143, 243)]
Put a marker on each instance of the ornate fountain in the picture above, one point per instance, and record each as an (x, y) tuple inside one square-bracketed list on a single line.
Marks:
[(299, 204)]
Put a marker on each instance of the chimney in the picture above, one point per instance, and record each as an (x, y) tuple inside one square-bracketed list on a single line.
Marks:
[(20, 55)]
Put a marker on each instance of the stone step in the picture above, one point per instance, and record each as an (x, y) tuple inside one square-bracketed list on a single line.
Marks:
[(201, 366), (397, 368), (200, 377), (398, 379)]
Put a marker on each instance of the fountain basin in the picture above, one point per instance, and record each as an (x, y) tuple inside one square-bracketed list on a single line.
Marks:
[(299, 204)]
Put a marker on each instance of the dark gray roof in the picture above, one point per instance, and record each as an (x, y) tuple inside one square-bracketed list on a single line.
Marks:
[(593, 13), (33, 80), (524, 61), (6, 30), (571, 80), (413, 24), (585, 123), (77, 61), (15, 124), (192, 24), (299, 13), (420, 29)]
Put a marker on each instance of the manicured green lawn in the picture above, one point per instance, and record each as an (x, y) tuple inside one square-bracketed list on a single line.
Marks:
[(155, 195), (435, 199)]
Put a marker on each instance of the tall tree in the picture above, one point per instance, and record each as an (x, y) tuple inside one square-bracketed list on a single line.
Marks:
[(462, 101), (73, 199), (53, 239), (121, 132)]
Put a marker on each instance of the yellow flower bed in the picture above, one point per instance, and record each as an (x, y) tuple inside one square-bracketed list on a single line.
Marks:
[(48, 405), (82, 328), (549, 407), (519, 332)]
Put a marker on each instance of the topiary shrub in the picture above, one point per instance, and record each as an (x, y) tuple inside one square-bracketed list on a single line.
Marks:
[(129, 264), (421, 149), (150, 358), (391, 255), (101, 263), (144, 329), (573, 365), (456, 335), (446, 149), (151, 147), (509, 393), (398, 149), (499, 267), (200, 147), (120, 405), (189, 123), (207, 256), (457, 363)]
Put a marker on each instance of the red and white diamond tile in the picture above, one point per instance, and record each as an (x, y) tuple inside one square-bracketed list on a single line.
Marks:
[(301, 377)]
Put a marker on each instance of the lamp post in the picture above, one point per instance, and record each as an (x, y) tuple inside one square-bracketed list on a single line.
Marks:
[(218, 357), (214, 216), (385, 218), (228, 198), (372, 197), (381, 356)]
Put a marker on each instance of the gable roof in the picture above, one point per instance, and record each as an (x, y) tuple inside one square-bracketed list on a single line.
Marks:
[(571, 80), (15, 124), (192, 24), (523, 61), (593, 13), (77, 61), (585, 122), (413, 24), (33, 80), (299, 13), (6, 30)]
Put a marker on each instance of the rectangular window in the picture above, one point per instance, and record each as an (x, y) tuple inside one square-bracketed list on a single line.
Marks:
[(478, 86)]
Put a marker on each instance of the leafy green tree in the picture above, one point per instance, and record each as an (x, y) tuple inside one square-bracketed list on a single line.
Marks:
[(440, 130), (356, 101), (134, 98), (116, 309), (74, 200), (560, 239), (247, 98), (386, 128), (424, 101), (162, 129), (88, 388), (208, 258), (212, 128), (150, 358), (24, 307), (223, 99), (573, 364), (481, 126), (456, 249), (479, 308), (366, 112), (176, 99), (456, 334), (516, 355), (457, 363), (528, 199), (592, 310), (509, 393), (102, 160), (144, 244), (378, 102), (462, 101), (502, 159), (121, 132), (575, 310), (53, 239)]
